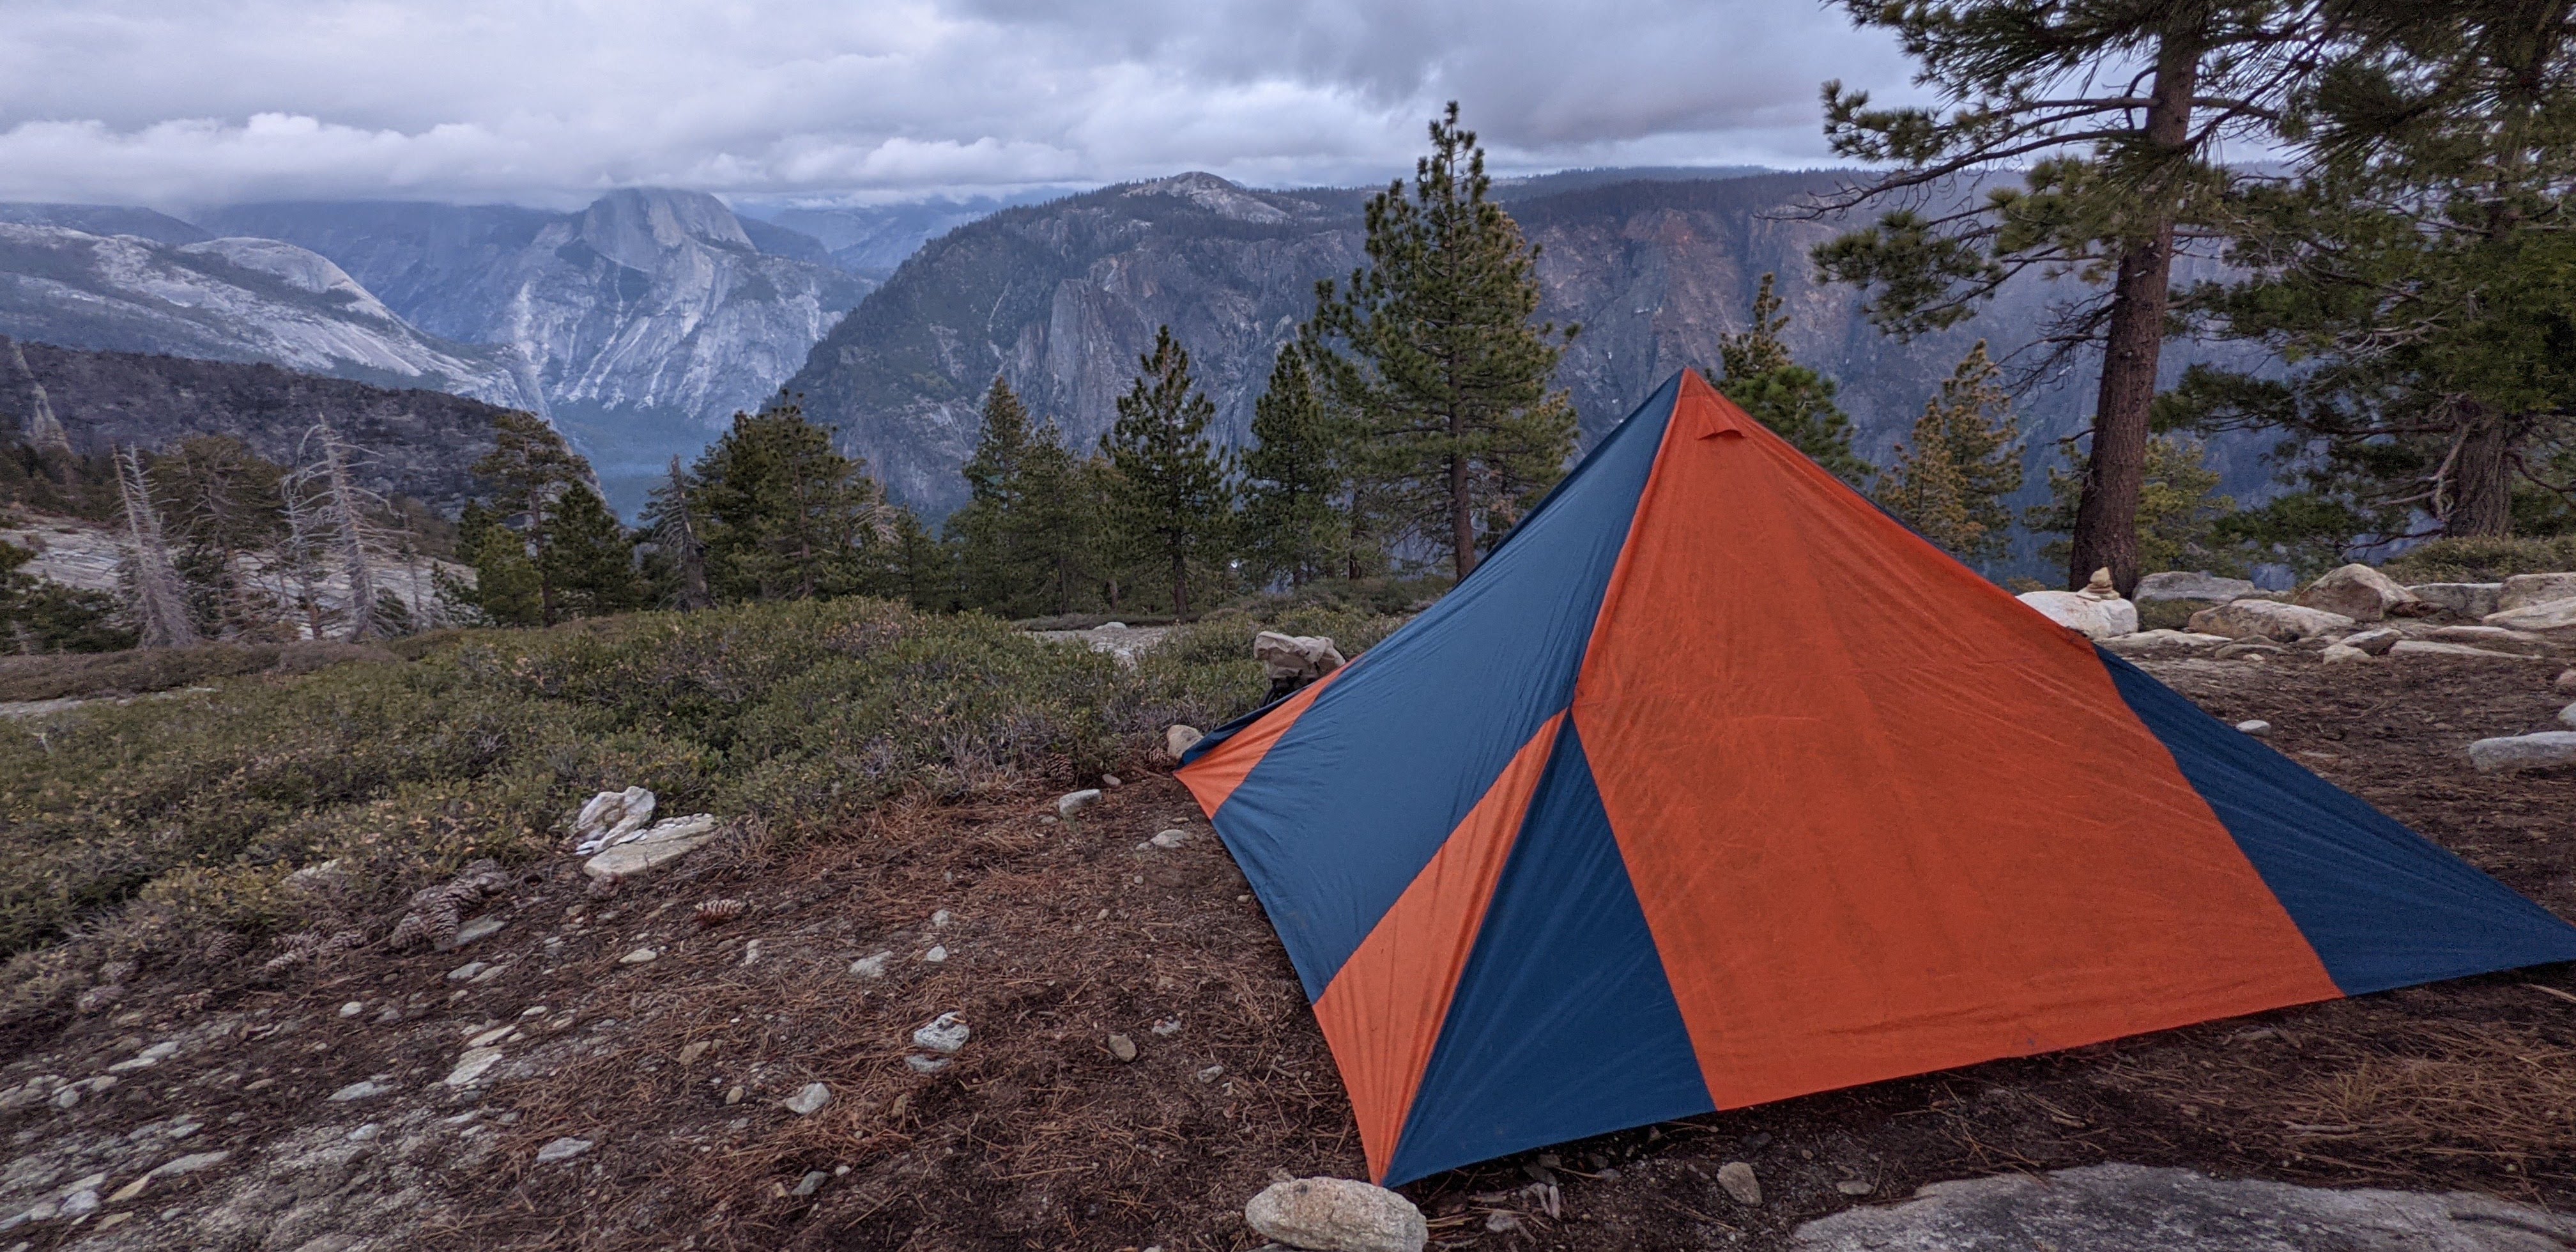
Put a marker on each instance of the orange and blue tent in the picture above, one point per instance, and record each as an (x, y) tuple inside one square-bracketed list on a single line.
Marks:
[(1714, 785)]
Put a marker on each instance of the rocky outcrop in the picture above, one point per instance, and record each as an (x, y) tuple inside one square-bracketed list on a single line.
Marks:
[(415, 443), (2459, 599), (2267, 619), (1337, 1215), (2525, 590), (2180, 585), (230, 299), (2555, 618), (2361, 593), (2096, 612)]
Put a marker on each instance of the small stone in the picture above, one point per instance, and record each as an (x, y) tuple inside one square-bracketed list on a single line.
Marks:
[(1122, 1047), (2566, 681), (2341, 654), (1111, 780), (809, 1099), (2568, 715), (2255, 727), (1170, 839), (1854, 1186), (750, 952), (66, 1097), (1178, 739), (466, 971), (495, 1035), (639, 956), (1337, 1215), (942, 918), (871, 966), (352, 1009), (479, 928), (936, 954), (472, 1065), (146, 1058), (1502, 1221), (1073, 802), (1210, 1074), (926, 1064), (1167, 1027), (945, 1033), (80, 1203), (2511, 752), (2375, 642), (812, 1182), (1737, 1177), (366, 1133), (130, 1190), (492, 973), (367, 1089), (563, 1149), (191, 1163), (733, 1094), (651, 848)]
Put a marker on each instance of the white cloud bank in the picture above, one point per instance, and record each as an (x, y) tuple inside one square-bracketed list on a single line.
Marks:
[(552, 101)]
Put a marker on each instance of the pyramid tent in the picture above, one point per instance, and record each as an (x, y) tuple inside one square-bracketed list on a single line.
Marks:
[(1714, 785)]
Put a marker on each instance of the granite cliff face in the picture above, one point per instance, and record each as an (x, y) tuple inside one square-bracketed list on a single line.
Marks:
[(417, 443), (648, 318), (232, 299), (1061, 298)]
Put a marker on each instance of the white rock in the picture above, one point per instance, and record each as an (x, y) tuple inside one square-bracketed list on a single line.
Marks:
[(466, 971), (563, 1149), (639, 956), (2091, 616), (472, 1065), (945, 1033), (2341, 654), (2148, 640), (365, 1089), (2465, 599), (938, 953), (479, 928), (190, 1163), (871, 966), (1171, 1026), (2491, 637), (1122, 1047), (1737, 1177), (1112, 626), (146, 1058), (812, 1182), (352, 1009), (1073, 802), (2178, 585), (1210, 1074), (2568, 715), (2525, 590), (926, 1064), (1170, 839), (2376, 642), (611, 817), (2268, 619), (942, 917), (653, 847), (809, 1099), (1301, 657), (2254, 726), (1337, 1215), (2549, 747), (80, 1203), (2556, 618), (1178, 739), (2357, 591), (2427, 647)]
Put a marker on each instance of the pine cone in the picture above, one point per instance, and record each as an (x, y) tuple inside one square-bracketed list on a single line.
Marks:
[(718, 911)]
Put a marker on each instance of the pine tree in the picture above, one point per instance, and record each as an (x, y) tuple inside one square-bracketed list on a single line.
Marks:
[(992, 528), (160, 597), (788, 517), (225, 515), (506, 585), (1171, 492), (1061, 519), (1433, 351), (1963, 460), (1293, 477), (2179, 509), (1797, 403), (588, 557), (2117, 112), (528, 467)]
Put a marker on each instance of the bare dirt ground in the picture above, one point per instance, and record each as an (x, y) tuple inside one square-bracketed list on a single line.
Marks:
[(1037, 1134)]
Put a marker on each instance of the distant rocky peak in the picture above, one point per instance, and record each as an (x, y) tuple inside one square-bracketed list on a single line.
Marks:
[(1214, 194), (300, 268), (637, 226)]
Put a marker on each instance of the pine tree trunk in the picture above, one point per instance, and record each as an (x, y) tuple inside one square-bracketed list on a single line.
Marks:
[(1462, 518), (2106, 519), (2482, 482)]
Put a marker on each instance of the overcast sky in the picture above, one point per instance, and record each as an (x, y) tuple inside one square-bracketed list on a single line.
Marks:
[(191, 102)]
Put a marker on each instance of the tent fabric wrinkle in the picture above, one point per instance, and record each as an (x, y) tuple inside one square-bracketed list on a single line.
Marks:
[(1715, 785)]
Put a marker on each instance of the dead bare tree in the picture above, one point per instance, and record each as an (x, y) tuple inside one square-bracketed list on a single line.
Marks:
[(339, 523), (160, 598)]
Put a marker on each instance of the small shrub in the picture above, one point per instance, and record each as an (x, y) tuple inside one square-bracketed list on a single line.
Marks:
[(2482, 560)]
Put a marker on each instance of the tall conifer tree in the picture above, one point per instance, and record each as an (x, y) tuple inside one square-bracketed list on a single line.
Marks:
[(1436, 355), (1293, 477), (1171, 493), (1793, 400), (788, 516), (1954, 473)]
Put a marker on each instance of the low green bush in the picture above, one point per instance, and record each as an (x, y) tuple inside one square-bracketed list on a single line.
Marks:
[(2482, 560)]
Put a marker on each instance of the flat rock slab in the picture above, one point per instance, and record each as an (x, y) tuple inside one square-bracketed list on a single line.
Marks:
[(660, 844), (2134, 1208)]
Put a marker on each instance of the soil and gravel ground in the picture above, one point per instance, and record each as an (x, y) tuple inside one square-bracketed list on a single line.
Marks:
[(1060, 934)]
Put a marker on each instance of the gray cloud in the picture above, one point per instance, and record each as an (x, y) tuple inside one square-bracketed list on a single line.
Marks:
[(552, 101)]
